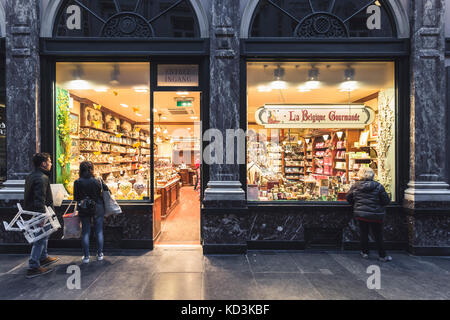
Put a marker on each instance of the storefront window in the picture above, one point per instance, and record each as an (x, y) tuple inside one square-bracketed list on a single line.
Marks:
[(312, 126), (103, 116), (322, 19), (127, 18)]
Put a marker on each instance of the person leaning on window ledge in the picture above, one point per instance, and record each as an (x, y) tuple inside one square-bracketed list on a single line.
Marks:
[(369, 199)]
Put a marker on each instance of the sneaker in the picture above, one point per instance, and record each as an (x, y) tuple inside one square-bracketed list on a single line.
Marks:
[(100, 257), (48, 261), (385, 259), (36, 272), (364, 255), (85, 260)]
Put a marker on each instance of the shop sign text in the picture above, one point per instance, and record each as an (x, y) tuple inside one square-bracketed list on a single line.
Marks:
[(177, 75), (315, 116)]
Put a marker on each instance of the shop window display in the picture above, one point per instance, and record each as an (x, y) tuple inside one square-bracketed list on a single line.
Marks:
[(312, 126), (103, 116)]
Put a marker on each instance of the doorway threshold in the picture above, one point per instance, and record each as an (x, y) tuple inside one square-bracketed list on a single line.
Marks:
[(179, 246)]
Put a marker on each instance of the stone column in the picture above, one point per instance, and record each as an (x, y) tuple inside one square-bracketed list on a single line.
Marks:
[(224, 102), (22, 92), (428, 195), (224, 215)]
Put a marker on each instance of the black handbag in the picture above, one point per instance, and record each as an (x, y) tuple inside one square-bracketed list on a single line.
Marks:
[(87, 207)]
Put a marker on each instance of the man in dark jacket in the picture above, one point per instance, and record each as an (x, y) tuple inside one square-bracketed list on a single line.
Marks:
[(38, 196), (369, 198)]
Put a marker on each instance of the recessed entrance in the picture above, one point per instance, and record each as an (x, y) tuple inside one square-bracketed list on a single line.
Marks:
[(177, 169)]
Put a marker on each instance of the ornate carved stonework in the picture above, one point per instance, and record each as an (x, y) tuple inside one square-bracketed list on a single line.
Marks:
[(127, 25), (321, 25)]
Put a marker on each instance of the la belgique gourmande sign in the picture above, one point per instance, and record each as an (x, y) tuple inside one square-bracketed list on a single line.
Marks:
[(353, 116)]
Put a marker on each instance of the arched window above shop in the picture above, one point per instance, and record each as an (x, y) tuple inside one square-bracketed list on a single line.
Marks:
[(126, 18), (322, 19)]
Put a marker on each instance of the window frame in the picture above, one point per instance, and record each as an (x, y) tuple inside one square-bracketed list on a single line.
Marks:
[(48, 102), (401, 85)]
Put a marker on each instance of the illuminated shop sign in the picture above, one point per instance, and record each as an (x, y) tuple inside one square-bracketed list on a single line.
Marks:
[(354, 116)]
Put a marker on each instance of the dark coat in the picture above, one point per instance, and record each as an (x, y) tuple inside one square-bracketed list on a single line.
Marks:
[(87, 188), (38, 193), (368, 199)]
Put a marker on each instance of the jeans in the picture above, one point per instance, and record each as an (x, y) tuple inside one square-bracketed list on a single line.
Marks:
[(86, 229), (377, 232), (38, 252)]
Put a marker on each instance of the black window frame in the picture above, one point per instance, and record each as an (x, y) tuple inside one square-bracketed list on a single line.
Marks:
[(394, 50), (114, 50)]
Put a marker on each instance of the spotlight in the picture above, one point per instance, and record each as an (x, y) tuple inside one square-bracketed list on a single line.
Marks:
[(279, 83), (313, 79), (115, 75)]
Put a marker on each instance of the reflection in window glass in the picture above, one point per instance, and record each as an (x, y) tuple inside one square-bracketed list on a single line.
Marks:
[(103, 116), (312, 126)]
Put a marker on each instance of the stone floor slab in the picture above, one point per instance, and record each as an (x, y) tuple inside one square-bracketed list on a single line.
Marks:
[(230, 286), (272, 262), (174, 286), (285, 286)]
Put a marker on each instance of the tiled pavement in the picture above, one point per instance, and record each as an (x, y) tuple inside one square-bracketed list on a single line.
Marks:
[(185, 274)]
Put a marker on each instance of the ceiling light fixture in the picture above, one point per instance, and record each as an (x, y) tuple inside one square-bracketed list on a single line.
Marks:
[(101, 90), (313, 78), (339, 134), (325, 137), (115, 75), (77, 83), (78, 73), (278, 83), (124, 105), (349, 83)]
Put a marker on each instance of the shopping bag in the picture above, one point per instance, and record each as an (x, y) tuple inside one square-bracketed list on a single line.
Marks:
[(72, 224), (111, 205)]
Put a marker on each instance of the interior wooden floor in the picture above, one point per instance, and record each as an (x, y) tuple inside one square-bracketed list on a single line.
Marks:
[(182, 227)]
